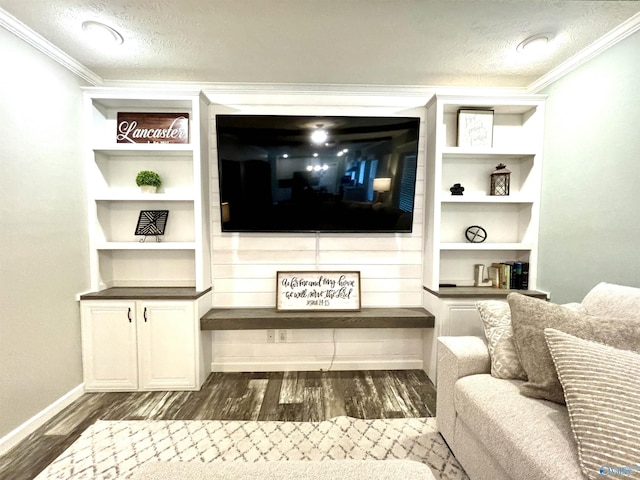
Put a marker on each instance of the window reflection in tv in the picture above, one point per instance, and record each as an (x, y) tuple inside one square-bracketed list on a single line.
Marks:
[(317, 173)]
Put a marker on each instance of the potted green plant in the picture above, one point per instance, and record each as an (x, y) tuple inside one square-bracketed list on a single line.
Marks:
[(148, 181)]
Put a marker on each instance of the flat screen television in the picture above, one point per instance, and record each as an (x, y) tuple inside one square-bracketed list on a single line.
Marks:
[(282, 173)]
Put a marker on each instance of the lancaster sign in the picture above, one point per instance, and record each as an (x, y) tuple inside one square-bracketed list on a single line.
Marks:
[(152, 127)]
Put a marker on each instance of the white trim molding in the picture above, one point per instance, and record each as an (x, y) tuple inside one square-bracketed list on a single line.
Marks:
[(20, 30), (21, 432), (318, 365), (622, 31)]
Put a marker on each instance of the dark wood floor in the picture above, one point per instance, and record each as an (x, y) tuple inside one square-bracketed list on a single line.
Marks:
[(288, 396)]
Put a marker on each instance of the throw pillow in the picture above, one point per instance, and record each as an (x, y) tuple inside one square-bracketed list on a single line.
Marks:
[(496, 320), (530, 316), (602, 390)]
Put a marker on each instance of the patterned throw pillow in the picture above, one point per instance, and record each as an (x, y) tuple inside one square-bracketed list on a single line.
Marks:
[(602, 391), (496, 319)]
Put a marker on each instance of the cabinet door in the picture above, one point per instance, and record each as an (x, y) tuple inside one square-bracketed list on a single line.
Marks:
[(465, 320), (166, 345), (109, 345)]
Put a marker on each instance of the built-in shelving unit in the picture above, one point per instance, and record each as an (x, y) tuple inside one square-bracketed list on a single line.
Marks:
[(118, 258), (141, 321), (511, 222)]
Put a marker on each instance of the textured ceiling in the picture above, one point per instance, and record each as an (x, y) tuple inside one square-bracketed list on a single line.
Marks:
[(375, 42)]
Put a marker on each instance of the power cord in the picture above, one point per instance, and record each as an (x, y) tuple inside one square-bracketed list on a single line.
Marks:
[(333, 356)]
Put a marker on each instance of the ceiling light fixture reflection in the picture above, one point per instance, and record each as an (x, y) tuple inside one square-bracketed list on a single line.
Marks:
[(319, 136), (102, 33), (534, 42)]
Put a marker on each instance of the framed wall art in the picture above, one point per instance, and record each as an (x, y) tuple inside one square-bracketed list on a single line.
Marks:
[(329, 291), (475, 128)]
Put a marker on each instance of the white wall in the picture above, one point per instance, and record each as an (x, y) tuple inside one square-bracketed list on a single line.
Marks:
[(43, 232), (244, 268), (589, 225)]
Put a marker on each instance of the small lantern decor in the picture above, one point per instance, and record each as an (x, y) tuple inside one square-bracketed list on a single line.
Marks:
[(500, 180)]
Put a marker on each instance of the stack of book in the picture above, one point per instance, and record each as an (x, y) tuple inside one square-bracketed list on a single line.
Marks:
[(510, 275)]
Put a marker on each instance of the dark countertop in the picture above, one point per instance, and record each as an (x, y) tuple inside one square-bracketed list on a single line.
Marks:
[(145, 293), (482, 292)]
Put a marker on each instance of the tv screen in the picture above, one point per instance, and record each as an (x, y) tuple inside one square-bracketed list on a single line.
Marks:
[(317, 173)]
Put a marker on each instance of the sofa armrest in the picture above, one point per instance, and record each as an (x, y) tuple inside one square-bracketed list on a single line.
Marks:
[(457, 357)]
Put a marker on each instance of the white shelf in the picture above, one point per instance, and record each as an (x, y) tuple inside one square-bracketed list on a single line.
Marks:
[(150, 244), (452, 153), (486, 246), (124, 196), (487, 199), (145, 149)]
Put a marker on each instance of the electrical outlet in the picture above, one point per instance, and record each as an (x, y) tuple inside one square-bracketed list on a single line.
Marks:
[(282, 336), (271, 336)]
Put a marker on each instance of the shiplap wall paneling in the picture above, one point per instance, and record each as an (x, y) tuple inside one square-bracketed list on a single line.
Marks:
[(314, 349)]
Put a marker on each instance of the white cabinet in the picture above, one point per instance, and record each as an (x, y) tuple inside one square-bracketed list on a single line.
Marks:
[(109, 345), (118, 258), (166, 345), (143, 345), (463, 319)]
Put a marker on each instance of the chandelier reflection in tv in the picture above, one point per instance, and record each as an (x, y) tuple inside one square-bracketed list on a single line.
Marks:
[(274, 177)]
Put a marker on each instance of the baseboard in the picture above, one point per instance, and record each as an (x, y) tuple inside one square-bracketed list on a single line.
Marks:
[(338, 365), (18, 434)]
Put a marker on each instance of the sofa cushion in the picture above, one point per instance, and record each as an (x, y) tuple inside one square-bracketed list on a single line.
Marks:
[(530, 316), (602, 390), (607, 299), (285, 470), (496, 320), (527, 437)]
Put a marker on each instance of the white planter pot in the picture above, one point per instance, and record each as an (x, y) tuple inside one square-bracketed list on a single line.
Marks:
[(148, 189)]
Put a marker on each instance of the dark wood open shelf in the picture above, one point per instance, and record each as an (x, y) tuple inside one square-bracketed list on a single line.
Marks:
[(482, 292), (270, 318)]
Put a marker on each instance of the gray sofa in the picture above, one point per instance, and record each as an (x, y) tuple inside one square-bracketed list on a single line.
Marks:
[(494, 431)]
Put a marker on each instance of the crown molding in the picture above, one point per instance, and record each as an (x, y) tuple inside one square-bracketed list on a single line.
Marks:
[(20, 30), (622, 31)]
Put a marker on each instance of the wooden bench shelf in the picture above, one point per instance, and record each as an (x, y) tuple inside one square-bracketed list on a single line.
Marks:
[(270, 318)]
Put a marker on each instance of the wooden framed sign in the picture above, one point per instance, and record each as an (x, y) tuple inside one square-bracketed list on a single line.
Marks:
[(330, 291), (134, 127)]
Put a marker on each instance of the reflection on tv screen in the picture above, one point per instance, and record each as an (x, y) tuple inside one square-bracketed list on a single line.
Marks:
[(317, 174)]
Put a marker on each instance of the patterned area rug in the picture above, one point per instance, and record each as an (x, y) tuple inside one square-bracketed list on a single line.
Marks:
[(113, 450)]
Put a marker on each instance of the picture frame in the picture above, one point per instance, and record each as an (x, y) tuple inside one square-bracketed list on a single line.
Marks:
[(152, 222), (332, 291), (475, 127)]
